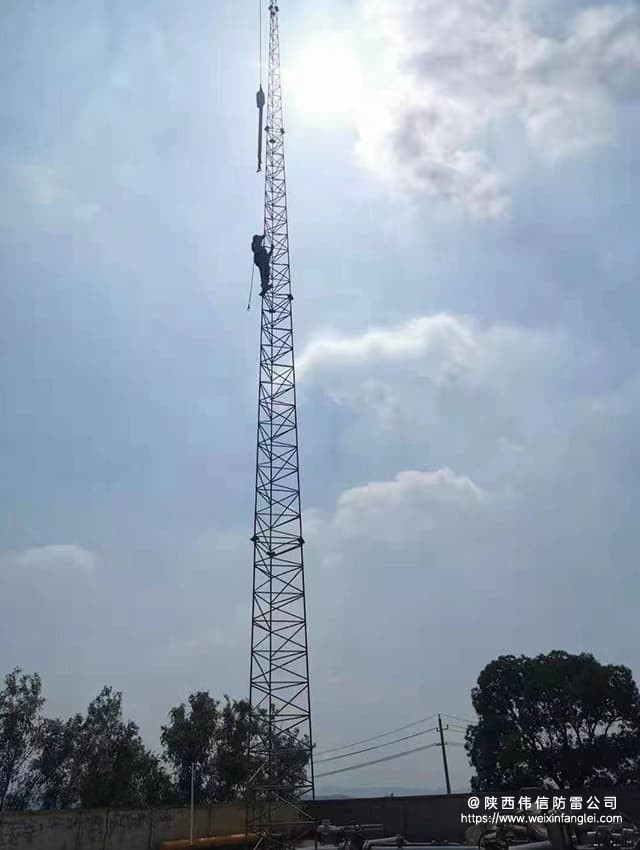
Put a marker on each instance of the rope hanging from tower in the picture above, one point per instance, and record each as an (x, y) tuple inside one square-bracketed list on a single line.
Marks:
[(261, 255), (253, 269), (260, 99), (260, 103)]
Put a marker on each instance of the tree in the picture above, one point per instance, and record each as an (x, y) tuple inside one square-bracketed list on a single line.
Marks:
[(20, 705), (56, 771), (291, 755), (231, 749), (216, 740), (114, 766), (292, 758), (190, 739), (99, 760), (558, 720)]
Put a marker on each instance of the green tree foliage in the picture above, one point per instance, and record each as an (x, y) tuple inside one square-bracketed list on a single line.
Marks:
[(291, 754), (116, 769), (291, 760), (558, 720), (55, 771), (231, 749), (190, 738), (215, 739), (99, 760), (20, 706)]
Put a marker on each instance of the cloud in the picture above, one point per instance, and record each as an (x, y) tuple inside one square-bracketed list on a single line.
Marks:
[(455, 72), (435, 570), (54, 558), (385, 565), (394, 512), (84, 619), (441, 485), (511, 472), (442, 369), (440, 344)]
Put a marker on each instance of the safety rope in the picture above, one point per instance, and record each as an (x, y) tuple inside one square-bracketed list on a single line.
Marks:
[(260, 40), (253, 269)]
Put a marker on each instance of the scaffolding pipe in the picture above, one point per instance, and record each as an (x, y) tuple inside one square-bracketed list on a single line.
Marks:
[(237, 839)]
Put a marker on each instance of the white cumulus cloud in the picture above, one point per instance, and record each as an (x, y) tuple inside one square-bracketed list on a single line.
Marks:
[(55, 557), (454, 71), (412, 499), (435, 570), (438, 344), (441, 369)]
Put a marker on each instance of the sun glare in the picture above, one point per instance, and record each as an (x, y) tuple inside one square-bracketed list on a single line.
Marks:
[(324, 80)]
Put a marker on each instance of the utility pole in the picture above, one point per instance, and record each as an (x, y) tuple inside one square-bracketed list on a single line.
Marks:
[(444, 755), (279, 676), (193, 768)]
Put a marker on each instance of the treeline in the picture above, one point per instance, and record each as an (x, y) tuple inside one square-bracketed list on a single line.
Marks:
[(99, 759)]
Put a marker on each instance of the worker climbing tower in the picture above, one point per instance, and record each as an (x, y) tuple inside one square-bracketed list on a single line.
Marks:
[(279, 677)]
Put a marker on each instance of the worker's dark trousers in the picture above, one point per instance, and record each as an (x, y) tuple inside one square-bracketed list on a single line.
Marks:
[(264, 278)]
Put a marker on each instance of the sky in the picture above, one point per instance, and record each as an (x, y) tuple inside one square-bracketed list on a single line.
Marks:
[(464, 184)]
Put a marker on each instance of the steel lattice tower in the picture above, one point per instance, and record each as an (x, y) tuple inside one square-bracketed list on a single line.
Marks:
[(279, 678)]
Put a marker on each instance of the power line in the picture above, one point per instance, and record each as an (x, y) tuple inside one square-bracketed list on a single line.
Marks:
[(456, 717), (378, 746), (378, 761), (376, 737)]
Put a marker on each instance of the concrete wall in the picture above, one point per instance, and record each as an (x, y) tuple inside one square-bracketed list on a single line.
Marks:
[(118, 829), (434, 817)]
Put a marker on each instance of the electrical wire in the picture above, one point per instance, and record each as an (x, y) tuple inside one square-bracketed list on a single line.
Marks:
[(378, 761), (378, 746), (455, 717), (376, 737)]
